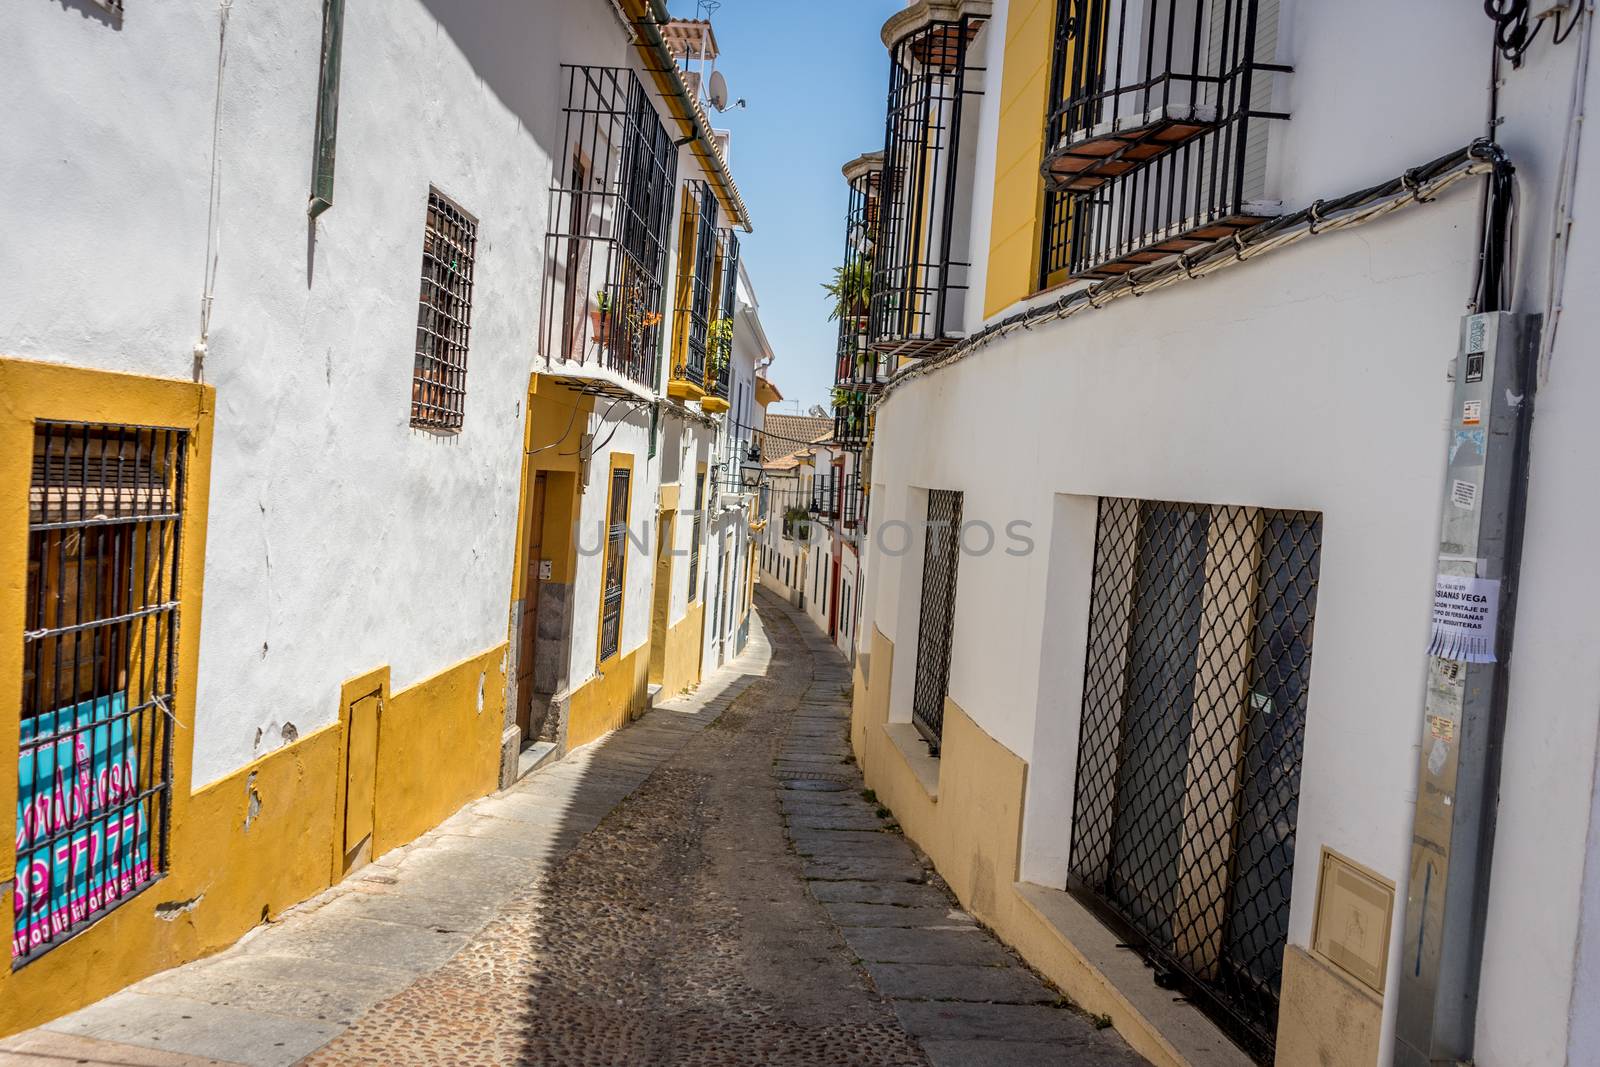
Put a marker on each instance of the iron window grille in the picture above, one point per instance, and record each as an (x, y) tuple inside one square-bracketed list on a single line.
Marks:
[(694, 538), (853, 503), (1193, 724), (610, 207), (936, 624), (99, 676), (858, 367), (697, 263), (1156, 142), (920, 263), (616, 563), (727, 303), (824, 496), (444, 316)]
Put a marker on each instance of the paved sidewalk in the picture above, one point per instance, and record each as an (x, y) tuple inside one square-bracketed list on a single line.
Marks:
[(707, 886)]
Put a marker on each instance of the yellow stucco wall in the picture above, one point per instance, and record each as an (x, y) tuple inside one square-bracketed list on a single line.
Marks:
[(610, 699), (1018, 190), (681, 658), (267, 836)]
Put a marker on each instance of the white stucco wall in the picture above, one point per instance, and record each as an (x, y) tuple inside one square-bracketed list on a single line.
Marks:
[(1312, 379), (339, 538)]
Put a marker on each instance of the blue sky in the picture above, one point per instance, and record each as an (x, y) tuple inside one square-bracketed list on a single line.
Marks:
[(815, 76)]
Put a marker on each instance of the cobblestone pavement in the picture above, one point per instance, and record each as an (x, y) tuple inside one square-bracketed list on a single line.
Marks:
[(707, 886)]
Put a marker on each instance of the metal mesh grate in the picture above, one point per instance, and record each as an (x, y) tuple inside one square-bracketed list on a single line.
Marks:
[(444, 316), (1194, 707), (616, 564), (100, 662), (942, 552)]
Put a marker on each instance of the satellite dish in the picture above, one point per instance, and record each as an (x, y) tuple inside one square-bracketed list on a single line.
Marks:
[(718, 91)]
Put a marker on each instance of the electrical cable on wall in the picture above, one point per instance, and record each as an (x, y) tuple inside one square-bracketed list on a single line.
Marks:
[(1418, 185), (214, 201)]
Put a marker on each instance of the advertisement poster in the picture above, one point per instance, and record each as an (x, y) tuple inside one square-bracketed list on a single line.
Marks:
[(82, 839)]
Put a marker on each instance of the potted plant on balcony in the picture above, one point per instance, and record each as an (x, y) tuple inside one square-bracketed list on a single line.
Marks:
[(851, 290), (719, 349), (600, 317)]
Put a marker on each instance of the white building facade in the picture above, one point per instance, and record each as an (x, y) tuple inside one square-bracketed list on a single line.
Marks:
[(430, 532), (1152, 649)]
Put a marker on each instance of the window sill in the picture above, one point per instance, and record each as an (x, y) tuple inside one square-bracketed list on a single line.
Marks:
[(1164, 1018), (914, 751)]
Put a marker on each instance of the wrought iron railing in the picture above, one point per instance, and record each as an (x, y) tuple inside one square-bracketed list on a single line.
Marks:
[(697, 278), (851, 423), (610, 206), (859, 367), (720, 358), (936, 624), (1156, 142), (921, 263), (1194, 711)]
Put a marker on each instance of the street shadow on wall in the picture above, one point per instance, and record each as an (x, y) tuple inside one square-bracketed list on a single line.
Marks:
[(516, 47)]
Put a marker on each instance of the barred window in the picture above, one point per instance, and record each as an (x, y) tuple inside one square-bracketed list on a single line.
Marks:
[(942, 553), (1194, 708), (444, 316), (694, 543), (100, 661), (616, 564)]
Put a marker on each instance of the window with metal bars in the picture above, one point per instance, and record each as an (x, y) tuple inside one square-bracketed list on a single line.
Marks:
[(697, 270), (444, 316), (1193, 723), (694, 538), (1156, 138), (936, 624), (857, 366), (719, 368), (610, 211), (99, 679), (616, 563), (920, 259)]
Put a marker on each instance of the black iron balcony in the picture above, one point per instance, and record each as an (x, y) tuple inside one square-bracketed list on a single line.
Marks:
[(719, 345), (853, 503), (697, 280), (1157, 143), (825, 496), (920, 257), (610, 205), (851, 424), (859, 367)]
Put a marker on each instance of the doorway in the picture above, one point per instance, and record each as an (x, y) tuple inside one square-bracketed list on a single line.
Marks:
[(528, 627), (666, 526)]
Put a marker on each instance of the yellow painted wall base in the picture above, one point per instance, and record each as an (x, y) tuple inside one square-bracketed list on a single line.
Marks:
[(610, 699), (681, 662), (1323, 1017), (968, 819)]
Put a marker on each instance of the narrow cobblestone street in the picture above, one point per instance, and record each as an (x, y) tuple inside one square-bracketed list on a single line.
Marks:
[(707, 886)]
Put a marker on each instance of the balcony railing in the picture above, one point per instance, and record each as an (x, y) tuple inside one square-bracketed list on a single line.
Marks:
[(719, 366), (825, 496), (1158, 141), (851, 424), (610, 205), (697, 277), (858, 366), (921, 262)]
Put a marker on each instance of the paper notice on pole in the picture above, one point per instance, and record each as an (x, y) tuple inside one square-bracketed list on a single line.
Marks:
[(1466, 614)]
